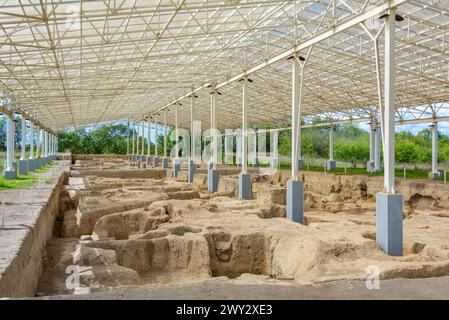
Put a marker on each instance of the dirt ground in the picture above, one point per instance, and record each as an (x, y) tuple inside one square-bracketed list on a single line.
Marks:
[(138, 227)]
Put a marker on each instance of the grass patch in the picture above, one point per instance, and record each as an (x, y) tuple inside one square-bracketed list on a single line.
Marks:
[(44, 168), (399, 172), (18, 183)]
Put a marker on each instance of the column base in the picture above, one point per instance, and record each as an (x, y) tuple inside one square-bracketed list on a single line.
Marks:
[(389, 223), (23, 167), (165, 163), (143, 158), (295, 201), (244, 186), (191, 171), (300, 164), (434, 175), (9, 175), (331, 164), (31, 164), (274, 162), (176, 169), (156, 162), (213, 176)]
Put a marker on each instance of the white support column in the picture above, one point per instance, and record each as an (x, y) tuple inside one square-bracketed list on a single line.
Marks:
[(372, 142), (176, 131), (31, 157), (295, 116), (133, 138), (331, 143), (331, 163), (156, 136), (45, 140), (434, 174), (390, 78), (389, 206), (165, 134), (10, 172), (23, 140), (137, 139), (244, 179), (143, 137), (127, 137), (149, 139), (213, 121), (295, 187), (192, 136), (244, 138), (38, 142), (377, 145)]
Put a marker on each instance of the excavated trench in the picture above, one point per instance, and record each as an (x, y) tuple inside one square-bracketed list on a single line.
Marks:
[(122, 227)]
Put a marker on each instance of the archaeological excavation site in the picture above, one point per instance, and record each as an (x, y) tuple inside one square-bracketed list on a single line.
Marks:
[(224, 150)]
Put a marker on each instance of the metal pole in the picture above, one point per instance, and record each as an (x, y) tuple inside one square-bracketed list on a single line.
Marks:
[(389, 102), (245, 126), (192, 138), (23, 140), (133, 136), (127, 137), (331, 143), (295, 110), (214, 129), (377, 142), (38, 142), (149, 138), (176, 131), (165, 134), (31, 141), (435, 148), (137, 138), (156, 136), (143, 137), (10, 144)]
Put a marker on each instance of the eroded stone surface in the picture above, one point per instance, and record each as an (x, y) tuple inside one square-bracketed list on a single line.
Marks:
[(162, 230)]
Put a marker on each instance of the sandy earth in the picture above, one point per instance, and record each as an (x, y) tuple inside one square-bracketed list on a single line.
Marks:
[(152, 232)]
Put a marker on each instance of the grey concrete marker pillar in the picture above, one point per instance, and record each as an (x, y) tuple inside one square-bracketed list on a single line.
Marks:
[(9, 171), (213, 177), (23, 162), (295, 201), (389, 205), (331, 163), (434, 174), (244, 179), (191, 170), (165, 163), (389, 215), (176, 167)]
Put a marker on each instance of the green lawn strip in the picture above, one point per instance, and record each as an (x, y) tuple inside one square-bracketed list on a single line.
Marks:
[(45, 168), (399, 172), (18, 183)]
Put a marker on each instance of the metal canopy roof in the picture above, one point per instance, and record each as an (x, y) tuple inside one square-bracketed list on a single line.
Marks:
[(75, 63)]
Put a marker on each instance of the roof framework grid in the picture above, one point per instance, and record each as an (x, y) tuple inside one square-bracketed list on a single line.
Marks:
[(72, 64)]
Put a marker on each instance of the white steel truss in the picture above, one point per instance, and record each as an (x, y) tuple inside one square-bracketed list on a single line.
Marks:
[(76, 63)]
